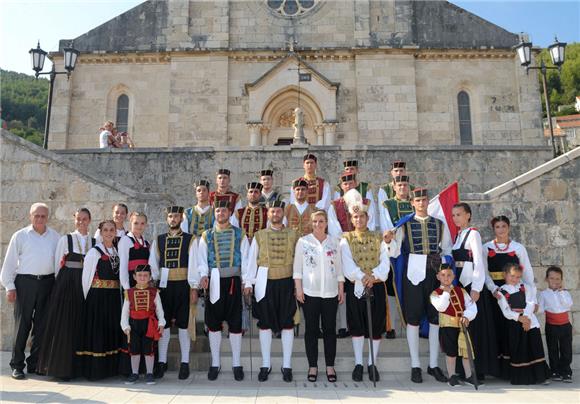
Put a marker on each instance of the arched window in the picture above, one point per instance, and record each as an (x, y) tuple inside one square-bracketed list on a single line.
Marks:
[(122, 113), (464, 118)]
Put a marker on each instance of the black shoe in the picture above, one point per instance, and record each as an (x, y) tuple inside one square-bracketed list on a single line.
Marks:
[(30, 370), (454, 381), (556, 377), (213, 373), (183, 371), (391, 334), (567, 378), (416, 376), (132, 379), (311, 377), (287, 374), (342, 333), (238, 373), (263, 375), (437, 374), (470, 381), (149, 379), (18, 374), (373, 376), (357, 373), (160, 370)]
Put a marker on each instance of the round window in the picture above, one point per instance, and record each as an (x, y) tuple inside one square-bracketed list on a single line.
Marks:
[(291, 8)]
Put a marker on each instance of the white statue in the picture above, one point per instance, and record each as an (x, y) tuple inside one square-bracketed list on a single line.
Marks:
[(299, 126)]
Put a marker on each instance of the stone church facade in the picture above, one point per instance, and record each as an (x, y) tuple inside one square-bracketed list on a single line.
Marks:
[(230, 73)]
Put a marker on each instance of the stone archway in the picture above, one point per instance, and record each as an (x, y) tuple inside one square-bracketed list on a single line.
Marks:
[(275, 95)]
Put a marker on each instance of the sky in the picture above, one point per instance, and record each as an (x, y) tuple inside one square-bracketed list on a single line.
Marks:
[(24, 22)]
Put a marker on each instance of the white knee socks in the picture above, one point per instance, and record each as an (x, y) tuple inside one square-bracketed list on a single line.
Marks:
[(266, 346), (236, 346), (164, 345), (287, 342), (413, 341), (215, 342), (184, 344), (433, 345), (357, 347), (149, 359), (135, 361), (376, 346)]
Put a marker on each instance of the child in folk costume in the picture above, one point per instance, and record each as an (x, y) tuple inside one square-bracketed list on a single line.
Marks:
[(143, 321), (456, 309), (527, 363), (556, 302)]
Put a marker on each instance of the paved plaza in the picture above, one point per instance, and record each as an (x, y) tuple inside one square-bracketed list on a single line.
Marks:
[(393, 388)]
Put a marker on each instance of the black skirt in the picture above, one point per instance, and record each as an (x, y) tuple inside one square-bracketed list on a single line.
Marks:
[(57, 355), (502, 337), (101, 334), (276, 310), (527, 362)]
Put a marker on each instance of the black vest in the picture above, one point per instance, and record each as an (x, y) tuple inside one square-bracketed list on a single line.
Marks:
[(174, 251)]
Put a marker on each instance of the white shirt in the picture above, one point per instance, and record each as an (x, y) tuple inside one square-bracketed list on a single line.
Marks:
[(353, 272), (192, 276), (185, 222), (125, 312), (81, 245), (323, 203), (90, 265), (104, 139), (334, 227), (473, 244), (514, 315), (441, 303), (385, 220), (124, 247), (29, 253), (319, 265), (521, 253), (555, 301), (251, 265)]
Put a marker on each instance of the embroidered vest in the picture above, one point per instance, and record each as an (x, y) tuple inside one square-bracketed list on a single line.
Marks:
[(365, 248), (276, 251), (230, 196), (315, 189), (198, 223), (423, 236), (174, 250), (252, 220), (224, 247), (138, 254), (496, 262), (299, 222), (450, 317), (397, 209), (141, 300)]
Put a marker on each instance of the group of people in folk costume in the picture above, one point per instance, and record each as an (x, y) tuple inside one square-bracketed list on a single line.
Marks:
[(104, 306)]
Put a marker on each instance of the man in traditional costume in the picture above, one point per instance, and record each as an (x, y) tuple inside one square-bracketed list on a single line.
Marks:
[(173, 261), (364, 188), (297, 213), (269, 193), (253, 217), (200, 217), (224, 192), (387, 191), (318, 190)]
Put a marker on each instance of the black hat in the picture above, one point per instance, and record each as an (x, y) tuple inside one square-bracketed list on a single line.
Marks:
[(299, 183), (143, 268), (443, 266), (267, 172), (202, 183), (310, 156), (347, 177), (419, 193), (222, 203), (398, 164), (350, 163), (277, 204), (254, 185), (402, 178), (174, 209), (223, 171)]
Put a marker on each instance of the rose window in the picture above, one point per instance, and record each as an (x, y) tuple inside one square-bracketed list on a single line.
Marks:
[(291, 8)]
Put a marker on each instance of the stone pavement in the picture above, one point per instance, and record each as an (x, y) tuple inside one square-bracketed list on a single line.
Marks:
[(393, 387)]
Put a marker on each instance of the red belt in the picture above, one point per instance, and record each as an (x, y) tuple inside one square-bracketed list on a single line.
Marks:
[(152, 326), (134, 263), (557, 318)]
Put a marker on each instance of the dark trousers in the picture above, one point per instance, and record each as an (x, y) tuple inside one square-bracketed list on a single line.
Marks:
[(30, 312), (315, 309), (559, 342)]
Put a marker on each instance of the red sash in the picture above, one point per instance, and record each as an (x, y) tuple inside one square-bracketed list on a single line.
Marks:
[(135, 263), (557, 318)]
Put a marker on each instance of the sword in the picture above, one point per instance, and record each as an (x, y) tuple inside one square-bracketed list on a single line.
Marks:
[(368, 295), (470, 355), (248, 299)]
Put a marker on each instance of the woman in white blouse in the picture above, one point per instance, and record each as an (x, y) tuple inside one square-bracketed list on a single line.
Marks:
[(320, 288), (469, 260)]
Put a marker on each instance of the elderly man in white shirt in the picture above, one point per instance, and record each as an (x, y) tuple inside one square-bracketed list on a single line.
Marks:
[(28, 276), (320, 288)]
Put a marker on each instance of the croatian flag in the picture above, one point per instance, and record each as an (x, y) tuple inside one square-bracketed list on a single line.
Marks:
[(441, 205)]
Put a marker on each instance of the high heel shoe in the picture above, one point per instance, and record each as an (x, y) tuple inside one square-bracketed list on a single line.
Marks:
[(312, 376), (331, 377)]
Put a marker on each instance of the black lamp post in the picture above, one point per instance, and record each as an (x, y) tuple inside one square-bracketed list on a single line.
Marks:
[(38, 56), (558, 54)]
